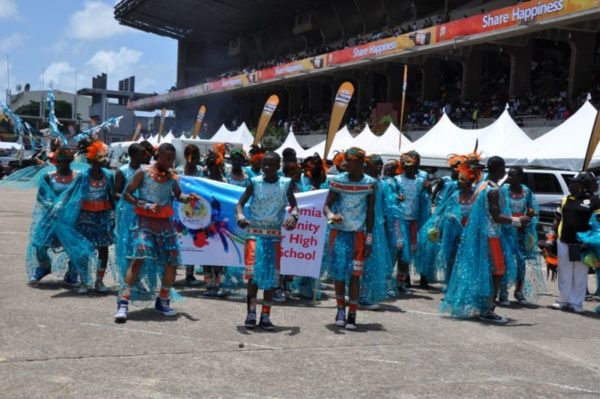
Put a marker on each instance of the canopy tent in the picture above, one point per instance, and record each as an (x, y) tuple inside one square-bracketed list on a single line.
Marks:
[(168, 138), (503, 138), (342, 141), (387, 143), (564, 146), (240, 135), (291, 142), (443, 139)]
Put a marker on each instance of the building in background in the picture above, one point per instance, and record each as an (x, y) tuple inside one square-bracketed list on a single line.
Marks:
[(105, 104)]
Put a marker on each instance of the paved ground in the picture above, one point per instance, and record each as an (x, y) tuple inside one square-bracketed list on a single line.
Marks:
[(57, 344)]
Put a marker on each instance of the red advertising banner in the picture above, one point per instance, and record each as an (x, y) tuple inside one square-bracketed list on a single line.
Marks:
[(478, 24), (383, 47), (512, 16)]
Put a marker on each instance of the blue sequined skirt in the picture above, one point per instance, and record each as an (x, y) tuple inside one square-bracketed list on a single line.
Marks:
[(262, 255), (96, 227), (155, 239)]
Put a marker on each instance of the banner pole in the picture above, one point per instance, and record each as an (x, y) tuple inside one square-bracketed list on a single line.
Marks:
[(404, 83)]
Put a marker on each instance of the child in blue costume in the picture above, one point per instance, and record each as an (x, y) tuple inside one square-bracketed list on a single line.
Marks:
[(394, 223), (139, 154), (237, 176), (523, 203), (428, 243), (448, 184), (192, 167), (43, 239), (268, 195), (256, 155), (484, 255), (308, 287), (373, 286), (215, 168), (349, 207), (96, 218), (415, 204), (454, 214), (591, 240), (153, 234), (292, 171)]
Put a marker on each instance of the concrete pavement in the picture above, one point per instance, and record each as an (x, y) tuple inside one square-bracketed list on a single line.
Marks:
[(55, 343)]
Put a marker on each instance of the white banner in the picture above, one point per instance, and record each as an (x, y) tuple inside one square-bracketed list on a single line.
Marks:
[(209, 235)]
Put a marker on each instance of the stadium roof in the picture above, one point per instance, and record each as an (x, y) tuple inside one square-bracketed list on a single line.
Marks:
[(218, 21), (205, 21)]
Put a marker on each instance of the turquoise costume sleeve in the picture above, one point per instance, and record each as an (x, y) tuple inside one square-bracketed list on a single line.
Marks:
[(63, 216), (373, 286), (428, 245)]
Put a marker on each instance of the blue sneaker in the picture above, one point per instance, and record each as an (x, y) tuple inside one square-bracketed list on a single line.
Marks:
[(39, 274), (340, 317), (250, 322), (265, 322), (71, 278), (162, 306)]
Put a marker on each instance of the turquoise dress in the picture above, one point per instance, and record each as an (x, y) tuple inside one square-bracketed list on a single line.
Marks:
[(266, 213), (124, 219), (453, 220), (415, 211), (243, 181), (45, 251), (525, 246), (471, 283), (373, 285), (351, 204), (97, 226)]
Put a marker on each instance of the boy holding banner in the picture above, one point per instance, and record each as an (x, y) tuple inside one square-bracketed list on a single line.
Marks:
[(268, 195), (349, 207)]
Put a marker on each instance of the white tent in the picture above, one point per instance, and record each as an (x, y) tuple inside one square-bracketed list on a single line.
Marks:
[(387, 143), (443, 139), (564, 146), (291, 142), (342, 141), (241, 135), (503, 138), (168, 137)]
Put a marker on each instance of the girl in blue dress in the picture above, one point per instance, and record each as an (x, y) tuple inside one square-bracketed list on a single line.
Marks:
[(96, 217), (154, 238), (46, 252)]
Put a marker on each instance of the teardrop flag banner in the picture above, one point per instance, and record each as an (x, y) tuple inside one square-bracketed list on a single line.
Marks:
[(161, 126), (342, 99), (592, 144), (199, 119), (265, 117), (136, 132)]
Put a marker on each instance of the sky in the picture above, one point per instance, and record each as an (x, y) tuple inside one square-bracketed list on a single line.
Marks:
[(67, 42)]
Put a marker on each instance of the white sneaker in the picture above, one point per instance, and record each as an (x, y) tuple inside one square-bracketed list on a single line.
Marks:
[(121, 313), (559, 306), (83, 289), (100, 287)]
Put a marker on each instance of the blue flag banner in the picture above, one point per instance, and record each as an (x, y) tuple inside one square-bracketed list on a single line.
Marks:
[(209, 234)]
